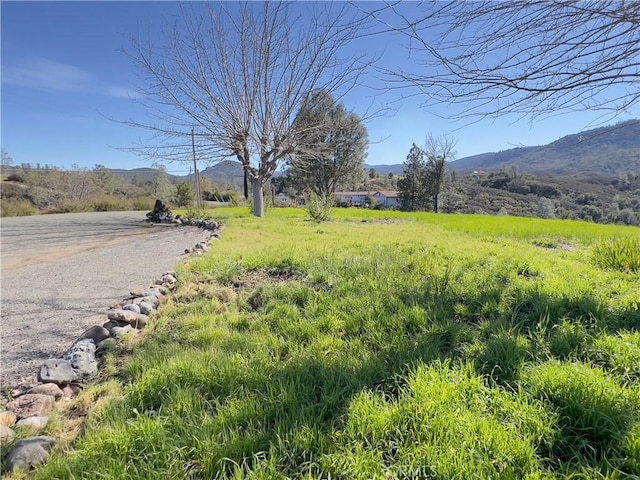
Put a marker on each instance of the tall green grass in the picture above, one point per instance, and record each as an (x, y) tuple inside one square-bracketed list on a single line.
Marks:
[(381, 345)]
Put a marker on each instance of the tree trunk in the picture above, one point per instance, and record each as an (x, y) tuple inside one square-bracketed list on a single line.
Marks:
[(258, 197)]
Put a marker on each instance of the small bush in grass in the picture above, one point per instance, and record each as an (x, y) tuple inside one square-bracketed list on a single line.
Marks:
[(618, 254), (319, 210), (594, 411), (446, 423), (109, 203), (619, 354), (568, 340), (68, 205), (501, 357), (17, 208)]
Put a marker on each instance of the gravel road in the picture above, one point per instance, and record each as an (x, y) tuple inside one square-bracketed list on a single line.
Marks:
[(60, 274)]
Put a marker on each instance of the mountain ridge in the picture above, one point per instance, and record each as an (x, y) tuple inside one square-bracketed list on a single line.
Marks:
[(572, 155)]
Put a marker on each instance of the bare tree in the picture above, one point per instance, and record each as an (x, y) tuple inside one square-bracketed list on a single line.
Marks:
[(238, 73), (438, 150), (532, 58)]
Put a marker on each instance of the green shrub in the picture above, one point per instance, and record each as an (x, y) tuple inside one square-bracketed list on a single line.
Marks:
[(109, 203), (10, 207), (618, 354), (568, 340), (319, 210), (142, 203), (618, 254), (594, 411), (68, 205), (184, 195), (446, 423), (502, 356)]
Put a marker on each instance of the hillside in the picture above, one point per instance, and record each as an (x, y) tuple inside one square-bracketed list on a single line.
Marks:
[(607, 150)]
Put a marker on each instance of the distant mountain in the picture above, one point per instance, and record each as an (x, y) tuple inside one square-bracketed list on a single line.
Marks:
[(602, 151), (225, 171)]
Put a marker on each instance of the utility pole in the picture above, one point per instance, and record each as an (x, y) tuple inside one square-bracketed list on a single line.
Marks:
[(196, 173)]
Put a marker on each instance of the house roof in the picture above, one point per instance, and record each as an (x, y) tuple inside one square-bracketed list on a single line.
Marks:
[(387, 193)]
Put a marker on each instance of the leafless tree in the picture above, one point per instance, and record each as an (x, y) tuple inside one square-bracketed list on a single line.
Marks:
[(438, 150), (532, 58), (238, 73)]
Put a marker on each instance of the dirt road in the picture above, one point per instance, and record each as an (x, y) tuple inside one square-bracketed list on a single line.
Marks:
[(60, 274)]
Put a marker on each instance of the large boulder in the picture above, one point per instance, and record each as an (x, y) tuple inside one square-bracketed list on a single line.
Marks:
[(29, 453), (58, 371), (82, 357), (31, 405)]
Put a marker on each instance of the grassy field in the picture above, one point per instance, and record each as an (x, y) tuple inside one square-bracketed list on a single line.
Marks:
[(380, 345)]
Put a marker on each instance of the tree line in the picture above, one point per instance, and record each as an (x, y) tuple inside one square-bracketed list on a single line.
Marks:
[(424, 173)]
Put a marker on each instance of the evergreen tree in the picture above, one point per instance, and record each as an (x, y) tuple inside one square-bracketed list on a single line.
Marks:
[(411, 187), (331, 146)]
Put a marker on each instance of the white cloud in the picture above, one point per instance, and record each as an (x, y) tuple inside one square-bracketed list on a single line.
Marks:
[(49, 75), (43, 74), (122, 92)]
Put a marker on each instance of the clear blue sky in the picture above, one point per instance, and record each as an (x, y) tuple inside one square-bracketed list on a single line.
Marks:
[(65, 77)]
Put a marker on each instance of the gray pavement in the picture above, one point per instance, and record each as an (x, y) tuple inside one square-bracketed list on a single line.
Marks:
[(61, 273)]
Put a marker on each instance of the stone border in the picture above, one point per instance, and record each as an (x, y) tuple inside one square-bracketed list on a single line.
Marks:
[(62, 378)]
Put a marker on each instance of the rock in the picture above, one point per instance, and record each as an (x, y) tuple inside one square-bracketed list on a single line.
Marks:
[(119, 332), (57, 371), (82, 357), (132, 307), (8, 418), (110, 324), (19, 390), (70, 391), (96, 333), (152, 292), (170, 273), (6, 435), (120, 315), (50, 389), (29, 453), (31, 405), (160, 213), (106, 345), (34, 423), (140, 322), (145, 308), (187, 251), (163, 290), (152, 300)]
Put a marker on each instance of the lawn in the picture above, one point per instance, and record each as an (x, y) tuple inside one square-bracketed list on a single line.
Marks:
[(378, 345)]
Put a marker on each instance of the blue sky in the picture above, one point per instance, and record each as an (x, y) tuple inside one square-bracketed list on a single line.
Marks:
[(65, 78)]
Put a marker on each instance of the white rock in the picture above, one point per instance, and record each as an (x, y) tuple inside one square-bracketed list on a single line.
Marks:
[(34, 423)]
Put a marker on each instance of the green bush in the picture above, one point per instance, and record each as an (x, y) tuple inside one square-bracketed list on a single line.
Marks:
[(109, 203), (445, 424), (319, 210), (618, 254), (594, 411), (502, 356), (184, 195), (619, 354), (10, 207), (568, 340)]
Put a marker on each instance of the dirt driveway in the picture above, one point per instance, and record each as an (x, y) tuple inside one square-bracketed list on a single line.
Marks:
[(60, 274)]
